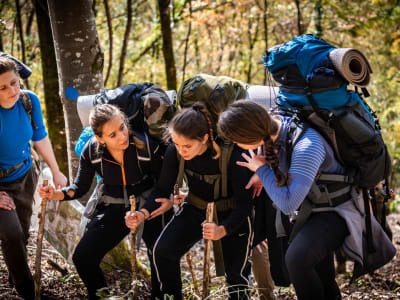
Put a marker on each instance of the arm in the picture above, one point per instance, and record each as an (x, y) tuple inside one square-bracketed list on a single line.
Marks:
[(46, 151), (308, 155), (42, 142), (166, 182)]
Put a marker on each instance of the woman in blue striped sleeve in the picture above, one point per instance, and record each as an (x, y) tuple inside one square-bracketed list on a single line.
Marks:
[(288, 173)]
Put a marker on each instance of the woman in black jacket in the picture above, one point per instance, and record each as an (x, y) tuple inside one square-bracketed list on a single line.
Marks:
[(192, 131), (117, 156)]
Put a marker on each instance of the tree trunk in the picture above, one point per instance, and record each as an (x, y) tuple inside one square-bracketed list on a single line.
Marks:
[(125, 42), (163, 7), (79, 62), (187, 41), (265, 22), (52, 100)]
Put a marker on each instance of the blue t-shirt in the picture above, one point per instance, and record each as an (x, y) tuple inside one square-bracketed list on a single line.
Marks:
[(16, 132)]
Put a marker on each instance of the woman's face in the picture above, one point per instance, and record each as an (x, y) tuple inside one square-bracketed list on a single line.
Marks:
[(9, 89), (250, 146), (115, 134), (189, 148)]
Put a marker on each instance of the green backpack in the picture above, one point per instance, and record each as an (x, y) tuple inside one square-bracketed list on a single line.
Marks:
[(217, 92)]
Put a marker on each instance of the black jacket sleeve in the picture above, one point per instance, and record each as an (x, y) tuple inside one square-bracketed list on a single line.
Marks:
[(167, 180), (238, 179), (84, 177)]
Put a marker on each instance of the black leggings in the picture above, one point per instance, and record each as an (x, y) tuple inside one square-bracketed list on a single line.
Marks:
[(104, 232), (182, 233), (309, 258)]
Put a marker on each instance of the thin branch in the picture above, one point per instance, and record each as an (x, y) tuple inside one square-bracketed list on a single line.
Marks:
[(21, 37), (187, 41), (125, 42), (110, 40)]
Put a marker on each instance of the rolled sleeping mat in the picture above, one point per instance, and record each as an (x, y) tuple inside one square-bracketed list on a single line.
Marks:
[(352, 65), (84, 105), (263, 95)]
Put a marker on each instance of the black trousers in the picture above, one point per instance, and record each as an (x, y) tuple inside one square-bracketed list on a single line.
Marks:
[(103, 233), (181, 233), (309, 258), (14, 231)]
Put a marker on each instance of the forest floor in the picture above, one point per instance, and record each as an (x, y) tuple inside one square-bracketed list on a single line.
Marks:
[(60, 279)]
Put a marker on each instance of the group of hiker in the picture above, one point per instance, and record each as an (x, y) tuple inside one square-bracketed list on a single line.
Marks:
[(258, 165)]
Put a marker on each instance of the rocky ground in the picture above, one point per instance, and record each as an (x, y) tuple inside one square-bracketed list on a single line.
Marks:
[(61, 280)]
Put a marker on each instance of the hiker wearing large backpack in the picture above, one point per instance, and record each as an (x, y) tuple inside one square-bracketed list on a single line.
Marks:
[(289, 173), (128, 163), (21, 121), (195, 154)]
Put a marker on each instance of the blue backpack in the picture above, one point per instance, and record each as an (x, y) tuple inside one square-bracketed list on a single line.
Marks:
[(314, 91)]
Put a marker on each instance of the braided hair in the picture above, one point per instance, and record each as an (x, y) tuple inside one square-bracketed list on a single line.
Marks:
[(246, 122), (193, 123)]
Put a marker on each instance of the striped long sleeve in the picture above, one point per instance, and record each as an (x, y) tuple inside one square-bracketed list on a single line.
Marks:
[(307, 157)]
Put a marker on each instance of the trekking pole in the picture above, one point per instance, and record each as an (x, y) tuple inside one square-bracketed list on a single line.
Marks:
[(206, 267), (188, 256), (132, 200), (38, 258)]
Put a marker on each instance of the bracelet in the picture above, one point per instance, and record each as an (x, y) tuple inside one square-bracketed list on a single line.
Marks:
[(143, 214)]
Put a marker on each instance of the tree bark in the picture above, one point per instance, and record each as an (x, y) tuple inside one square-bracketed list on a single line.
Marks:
[(170, 69), (79, 62), (318, 23), (125, 42), (265, 22), (52, 100)]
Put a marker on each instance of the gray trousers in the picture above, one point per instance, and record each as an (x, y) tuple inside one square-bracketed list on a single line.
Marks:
[(14, 231), (260, 267)]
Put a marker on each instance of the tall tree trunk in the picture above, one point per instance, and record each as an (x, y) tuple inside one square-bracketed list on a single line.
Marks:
[(170, 69), (79, 62), (110, 40), (125, 42), (21, 38), (299, 25), (252, 41), (52, 100)]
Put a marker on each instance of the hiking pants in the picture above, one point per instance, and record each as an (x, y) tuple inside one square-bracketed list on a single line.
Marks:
[(309, 258), (14, 231), (181, 233), (104, 232), (262, 274)]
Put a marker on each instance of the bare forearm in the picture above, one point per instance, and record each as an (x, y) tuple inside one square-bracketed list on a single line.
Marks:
[(46, 151)]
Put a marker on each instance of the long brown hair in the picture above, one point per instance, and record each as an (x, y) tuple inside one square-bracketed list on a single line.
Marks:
[(246, 122), (193, 123), (102, 113)]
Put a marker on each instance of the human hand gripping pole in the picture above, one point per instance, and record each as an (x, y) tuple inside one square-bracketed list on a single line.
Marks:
[(206, 266), (188, 256), (38, 257)]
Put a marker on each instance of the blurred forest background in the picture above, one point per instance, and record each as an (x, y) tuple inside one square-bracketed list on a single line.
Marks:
[(217, 37)]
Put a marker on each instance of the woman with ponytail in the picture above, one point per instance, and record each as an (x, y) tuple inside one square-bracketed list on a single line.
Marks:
[(287, 172), (194, 142)]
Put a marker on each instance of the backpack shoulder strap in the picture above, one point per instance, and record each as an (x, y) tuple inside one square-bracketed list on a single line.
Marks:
[(181, 172), (27, 103), (226, 152)]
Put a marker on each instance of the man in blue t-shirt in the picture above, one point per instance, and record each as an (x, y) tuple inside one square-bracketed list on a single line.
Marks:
[(18, 176)]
